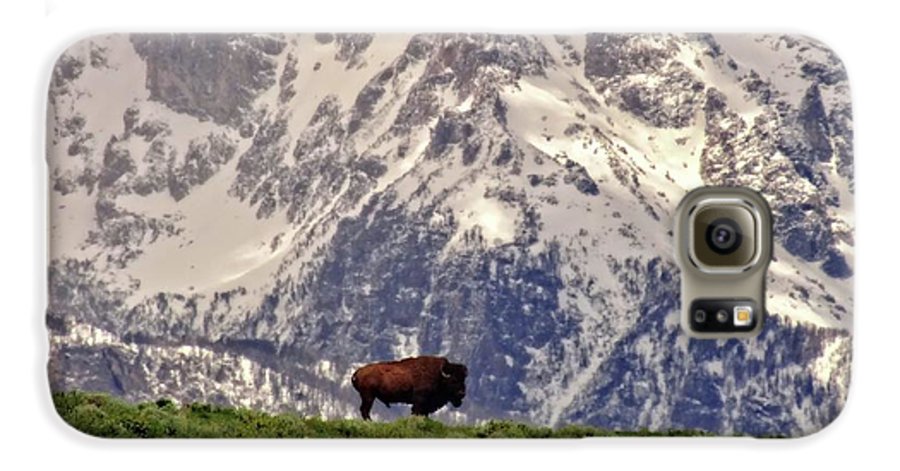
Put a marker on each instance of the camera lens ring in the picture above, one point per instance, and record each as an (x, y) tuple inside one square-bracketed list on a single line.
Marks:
[(723, 236), (700, 316)]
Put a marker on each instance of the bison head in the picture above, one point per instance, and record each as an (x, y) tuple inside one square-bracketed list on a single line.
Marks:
[(453, 381)]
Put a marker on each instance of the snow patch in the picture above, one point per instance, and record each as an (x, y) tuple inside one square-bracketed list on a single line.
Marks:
[(496, 221)]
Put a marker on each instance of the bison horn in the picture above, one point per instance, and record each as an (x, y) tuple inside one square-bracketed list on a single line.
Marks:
[(444, 374)]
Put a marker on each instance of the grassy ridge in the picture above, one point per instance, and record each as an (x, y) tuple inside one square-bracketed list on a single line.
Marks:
[(104, 416)]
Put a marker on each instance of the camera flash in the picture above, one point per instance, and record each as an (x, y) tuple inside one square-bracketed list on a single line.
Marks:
[(742, 316)]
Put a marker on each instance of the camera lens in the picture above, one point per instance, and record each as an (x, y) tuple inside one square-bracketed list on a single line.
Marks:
[(699, 316), (723, 236)]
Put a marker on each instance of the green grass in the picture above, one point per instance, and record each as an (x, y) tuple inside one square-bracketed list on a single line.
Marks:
[(104, 416)]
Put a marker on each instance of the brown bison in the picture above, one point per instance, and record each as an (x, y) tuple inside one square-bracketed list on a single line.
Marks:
[(428, 383)]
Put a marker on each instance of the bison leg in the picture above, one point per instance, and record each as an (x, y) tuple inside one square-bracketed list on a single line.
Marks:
[(366, 406), (426, 406), (419, 409), (422, 406)]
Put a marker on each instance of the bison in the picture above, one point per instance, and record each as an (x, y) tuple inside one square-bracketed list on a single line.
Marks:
[(426, 382)]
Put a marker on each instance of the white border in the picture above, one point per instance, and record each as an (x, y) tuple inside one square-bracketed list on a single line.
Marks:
[(863, 35)]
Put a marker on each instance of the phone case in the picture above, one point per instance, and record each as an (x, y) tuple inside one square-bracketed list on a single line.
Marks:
[(239, 223)]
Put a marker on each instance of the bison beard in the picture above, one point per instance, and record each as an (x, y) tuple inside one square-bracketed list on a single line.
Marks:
[(428, 383)]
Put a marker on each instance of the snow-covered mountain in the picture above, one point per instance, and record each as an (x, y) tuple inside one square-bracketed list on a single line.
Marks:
[(245, 219)]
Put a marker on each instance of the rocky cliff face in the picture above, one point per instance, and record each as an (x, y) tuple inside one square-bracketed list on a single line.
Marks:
[(245, 219)]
